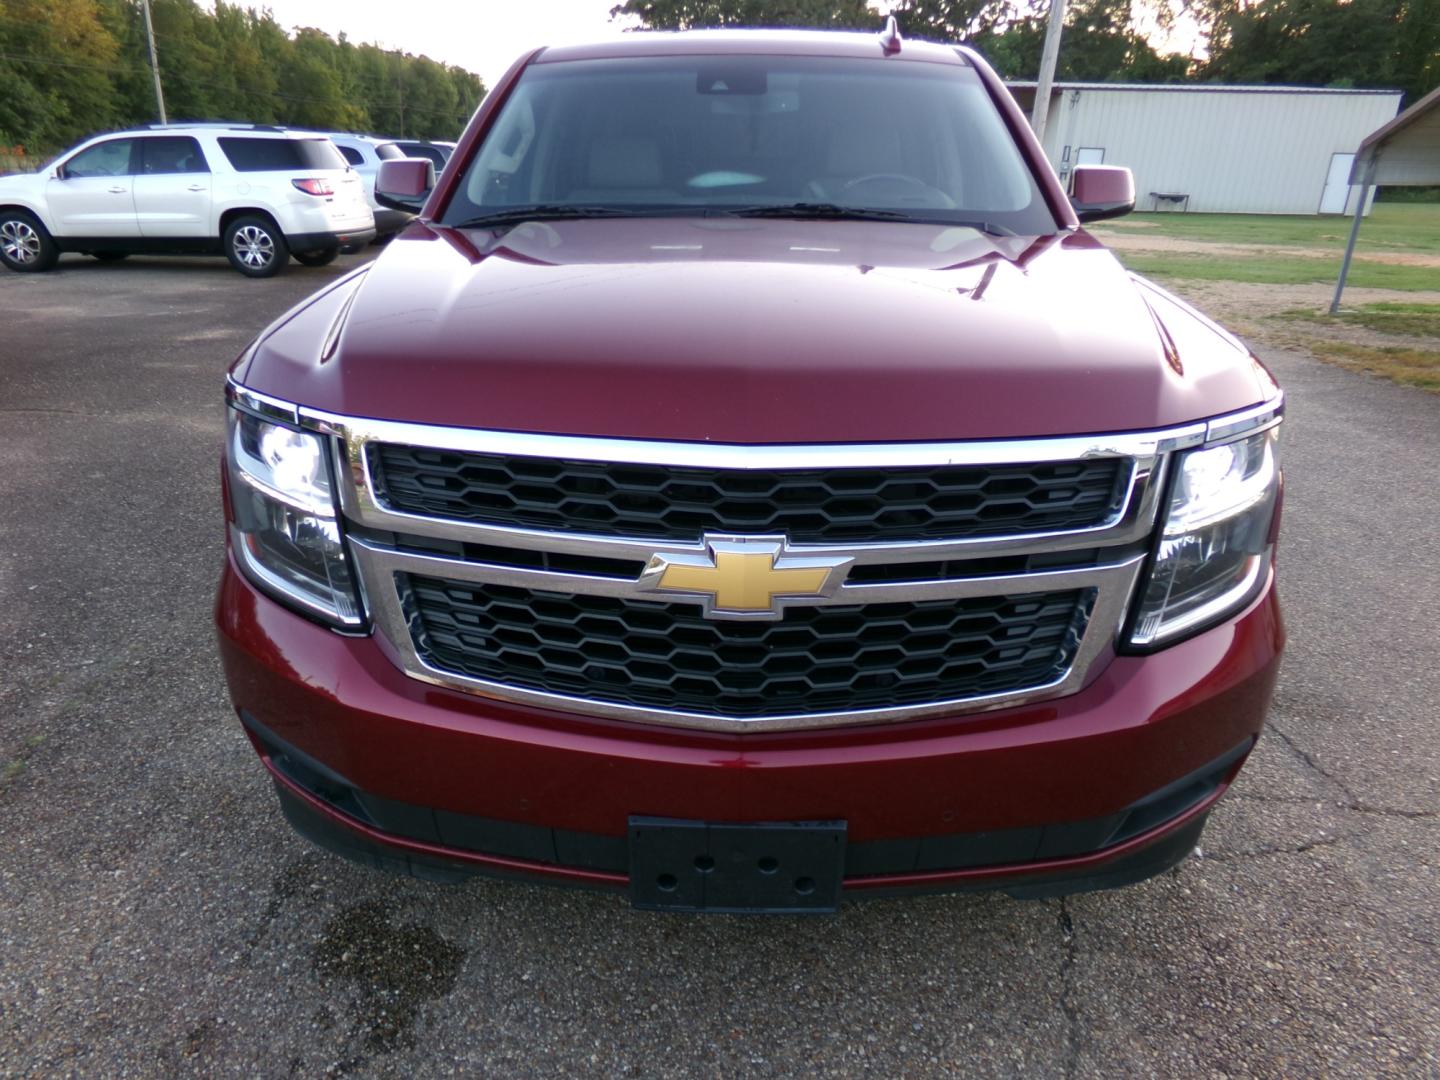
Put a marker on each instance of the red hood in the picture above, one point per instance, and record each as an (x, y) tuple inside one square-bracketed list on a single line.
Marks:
[(750, 331)]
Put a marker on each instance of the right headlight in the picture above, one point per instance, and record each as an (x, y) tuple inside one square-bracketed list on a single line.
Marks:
[(1214, 550), (286, 530)]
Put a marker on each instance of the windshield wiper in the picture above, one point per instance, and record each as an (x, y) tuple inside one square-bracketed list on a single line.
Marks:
[(836, 212), (815, 210), (515, 215)]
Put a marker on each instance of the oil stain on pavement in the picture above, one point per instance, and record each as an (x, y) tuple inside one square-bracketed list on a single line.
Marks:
[(395, 971)]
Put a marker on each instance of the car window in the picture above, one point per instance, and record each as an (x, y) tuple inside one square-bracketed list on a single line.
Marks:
[(670, 133), (171, 154), (417, 150), (389, 152), (280, 155), (109, 158), (350, 154)]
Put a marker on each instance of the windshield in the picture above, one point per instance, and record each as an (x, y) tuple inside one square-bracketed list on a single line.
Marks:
[(697, 134)]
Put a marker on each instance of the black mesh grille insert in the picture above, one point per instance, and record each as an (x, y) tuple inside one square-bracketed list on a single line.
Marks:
[(808, 505), (818, 659)]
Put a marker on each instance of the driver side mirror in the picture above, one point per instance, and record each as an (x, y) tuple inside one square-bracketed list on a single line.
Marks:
[(1098, 192), (404, 183)]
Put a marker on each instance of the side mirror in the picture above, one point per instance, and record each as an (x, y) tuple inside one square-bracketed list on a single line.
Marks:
[(1098, 192), (404, 183)]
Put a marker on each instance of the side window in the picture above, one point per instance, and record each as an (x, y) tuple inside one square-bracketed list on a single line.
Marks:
[(426, 152), (353, 156), (280, 155), (110, 158), (171, 154)]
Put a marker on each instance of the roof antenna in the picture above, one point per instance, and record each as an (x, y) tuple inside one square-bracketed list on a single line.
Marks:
[(890, 36)]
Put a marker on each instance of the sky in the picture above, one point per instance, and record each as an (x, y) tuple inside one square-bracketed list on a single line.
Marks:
[(483, 36)]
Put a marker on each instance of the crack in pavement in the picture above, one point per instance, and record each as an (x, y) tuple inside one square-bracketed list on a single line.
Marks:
[(1357, 808), (1279, 849), (1067, 989), (1391, 811), (1304, 756), (1352, 802), (286, 885)]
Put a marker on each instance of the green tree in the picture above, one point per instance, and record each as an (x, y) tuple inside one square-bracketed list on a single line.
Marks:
[(1101, 43), (956, 20), (1365, 43), (56, 72), (702, 14)]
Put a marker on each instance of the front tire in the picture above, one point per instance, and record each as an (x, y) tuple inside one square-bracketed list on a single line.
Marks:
[(256, 247), (323, 257), (25, 246)]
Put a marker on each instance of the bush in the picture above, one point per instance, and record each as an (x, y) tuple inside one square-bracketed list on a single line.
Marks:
[(1408, 194)]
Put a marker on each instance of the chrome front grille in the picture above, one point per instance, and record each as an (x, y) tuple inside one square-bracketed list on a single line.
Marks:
[(838, 504), (815, 660), (563, 614)]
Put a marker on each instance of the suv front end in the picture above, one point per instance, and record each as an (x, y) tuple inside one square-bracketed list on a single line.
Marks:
[(412, 681), (747, 559)]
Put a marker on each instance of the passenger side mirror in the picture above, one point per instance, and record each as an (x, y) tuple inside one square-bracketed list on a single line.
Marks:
[(404, 183), (1098, 192)]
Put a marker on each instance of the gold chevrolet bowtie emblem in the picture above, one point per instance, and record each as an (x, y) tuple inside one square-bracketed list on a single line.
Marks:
[(744, 577)]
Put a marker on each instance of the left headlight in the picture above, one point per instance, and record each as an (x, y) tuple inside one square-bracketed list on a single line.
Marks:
[(286, 531), (1214, 549)]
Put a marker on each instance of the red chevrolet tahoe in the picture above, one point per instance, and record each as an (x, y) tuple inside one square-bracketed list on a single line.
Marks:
[(747, 485)]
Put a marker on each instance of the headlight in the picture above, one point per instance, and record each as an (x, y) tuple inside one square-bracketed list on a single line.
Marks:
[(286, 533), (1214, 547)]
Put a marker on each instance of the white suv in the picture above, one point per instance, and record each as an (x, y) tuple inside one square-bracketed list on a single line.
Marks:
[(364, 153), (256, 194)]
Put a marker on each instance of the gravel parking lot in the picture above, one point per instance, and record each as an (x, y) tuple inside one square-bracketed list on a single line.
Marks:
[(157, 916)]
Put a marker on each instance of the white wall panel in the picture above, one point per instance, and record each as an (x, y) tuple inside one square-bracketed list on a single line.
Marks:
[(1230, 149)]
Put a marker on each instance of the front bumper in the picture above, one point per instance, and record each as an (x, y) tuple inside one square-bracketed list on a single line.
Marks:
[(1101, 787)]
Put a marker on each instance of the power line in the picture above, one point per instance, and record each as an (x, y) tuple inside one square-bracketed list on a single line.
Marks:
[(21, 58)]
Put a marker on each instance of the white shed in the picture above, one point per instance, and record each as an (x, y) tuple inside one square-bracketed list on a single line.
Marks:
[(1214, 148), (1405, 152)]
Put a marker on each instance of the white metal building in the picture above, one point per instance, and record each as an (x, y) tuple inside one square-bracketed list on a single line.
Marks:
[(1215, 148)]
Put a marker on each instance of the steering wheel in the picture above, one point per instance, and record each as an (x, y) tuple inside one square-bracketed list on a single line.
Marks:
[(874, 178)]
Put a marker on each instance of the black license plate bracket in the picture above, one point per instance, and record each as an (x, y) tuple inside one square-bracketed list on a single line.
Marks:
[(767, 868)]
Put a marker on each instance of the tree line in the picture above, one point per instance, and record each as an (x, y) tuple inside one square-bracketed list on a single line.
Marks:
[(1389, 44), (72, 67)]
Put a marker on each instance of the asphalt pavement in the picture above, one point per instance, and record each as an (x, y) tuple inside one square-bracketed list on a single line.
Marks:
[(158, 917)]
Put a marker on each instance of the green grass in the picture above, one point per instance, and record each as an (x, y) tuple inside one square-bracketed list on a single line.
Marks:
[(1407, 320), (1409, 367), (1280, 270), (16, 767), (1390, 227), (1307, 250)]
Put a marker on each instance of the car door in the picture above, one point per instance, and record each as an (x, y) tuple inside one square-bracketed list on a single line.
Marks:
[(172, 188), (92, 194)]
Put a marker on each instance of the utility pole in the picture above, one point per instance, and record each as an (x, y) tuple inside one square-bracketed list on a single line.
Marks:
[(1048, 59), (154, 63), (400, 89)]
